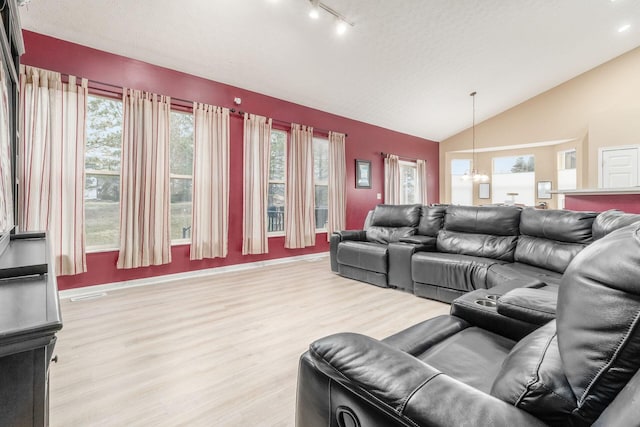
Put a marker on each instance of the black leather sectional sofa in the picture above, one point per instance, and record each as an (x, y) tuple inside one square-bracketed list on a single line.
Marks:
[(480, 366), (443, 252)]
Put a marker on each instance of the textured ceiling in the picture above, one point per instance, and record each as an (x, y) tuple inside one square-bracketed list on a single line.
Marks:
[(406, 65)]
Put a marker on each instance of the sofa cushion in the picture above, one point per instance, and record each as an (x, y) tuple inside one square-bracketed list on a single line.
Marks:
[(500, 274), (473, 356), (544, 253), (560, 225), (532, 378), (454, 271), (612, 220), (432, 220), (480, 245), (495, 220), (396, 215), (364, 255), (386, 235)]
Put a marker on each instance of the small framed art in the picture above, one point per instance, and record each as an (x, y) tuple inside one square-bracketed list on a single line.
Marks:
[(363, 173), (484, 190), (544, 189)]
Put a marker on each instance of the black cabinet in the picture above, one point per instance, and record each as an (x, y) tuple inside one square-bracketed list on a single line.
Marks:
[(29, 320)]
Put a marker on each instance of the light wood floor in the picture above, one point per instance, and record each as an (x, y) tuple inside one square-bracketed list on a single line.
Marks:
[(216, 351)]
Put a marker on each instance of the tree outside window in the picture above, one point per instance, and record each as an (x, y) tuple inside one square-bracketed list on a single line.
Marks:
[(102, 172)]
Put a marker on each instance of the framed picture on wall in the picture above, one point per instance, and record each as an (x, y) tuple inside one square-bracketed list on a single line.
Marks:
[(363, 173), (484, 190), (544, 189)]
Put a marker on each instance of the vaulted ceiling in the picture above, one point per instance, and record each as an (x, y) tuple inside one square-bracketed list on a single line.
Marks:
[(406, 65)]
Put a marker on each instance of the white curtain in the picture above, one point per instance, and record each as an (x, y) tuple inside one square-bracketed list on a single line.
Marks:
[(421, 172), (392, 179), (255, 191), (337, 184), (145, 237), (51, 168), (210, 215), (300, 223), (6, 183)]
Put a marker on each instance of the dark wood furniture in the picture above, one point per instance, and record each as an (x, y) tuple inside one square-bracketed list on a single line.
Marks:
[(29, 320)]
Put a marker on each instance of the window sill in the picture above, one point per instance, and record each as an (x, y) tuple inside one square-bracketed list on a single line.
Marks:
[(100, 249), (180, 242)]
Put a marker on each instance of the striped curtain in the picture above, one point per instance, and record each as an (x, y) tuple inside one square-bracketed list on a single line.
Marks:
[(421, 172), (51, 165), (337, 184), (257, 138), (6, 182), (145, 237), (300, 223), (210, 215), (392, 180)]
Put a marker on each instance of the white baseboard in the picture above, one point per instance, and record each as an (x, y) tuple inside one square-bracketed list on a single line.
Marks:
[(88, 292)]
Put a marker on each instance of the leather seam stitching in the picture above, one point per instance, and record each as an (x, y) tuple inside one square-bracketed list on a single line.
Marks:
[(536, 375), (405, 401), (607, 365)]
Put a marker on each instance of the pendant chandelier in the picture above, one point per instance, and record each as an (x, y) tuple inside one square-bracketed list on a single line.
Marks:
[(474, 175)]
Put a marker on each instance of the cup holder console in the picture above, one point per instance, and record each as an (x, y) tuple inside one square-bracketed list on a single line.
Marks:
[(493, 297), (486, 303)]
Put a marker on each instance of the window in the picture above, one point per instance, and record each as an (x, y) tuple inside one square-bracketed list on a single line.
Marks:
[(567, 177), (321, 181), (461, 190), (102, 172), (515, 174), (408, 181), (181, 174), (277, 174)]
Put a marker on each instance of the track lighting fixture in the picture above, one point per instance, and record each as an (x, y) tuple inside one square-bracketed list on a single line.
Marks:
[(342, 23)]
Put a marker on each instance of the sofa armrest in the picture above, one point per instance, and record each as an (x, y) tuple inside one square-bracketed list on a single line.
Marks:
[(535, 306), (340, 236), (408, 388), (399, 271), (423, 243), (476, 308), (360, 235)]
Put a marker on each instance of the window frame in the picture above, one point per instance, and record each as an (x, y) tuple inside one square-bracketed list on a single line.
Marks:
[(270, 181), (321, 183), (98, 93), (414, 166), (495, 193), (186, 240), (453, 177)]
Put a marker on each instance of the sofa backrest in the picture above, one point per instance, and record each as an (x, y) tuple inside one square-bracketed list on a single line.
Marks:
[(432, 220), (490, 231), (612, 220), (550, 239), (568, 371), (598, 319), (390, 223)]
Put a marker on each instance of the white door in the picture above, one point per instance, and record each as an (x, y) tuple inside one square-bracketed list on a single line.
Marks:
[(620, 168)]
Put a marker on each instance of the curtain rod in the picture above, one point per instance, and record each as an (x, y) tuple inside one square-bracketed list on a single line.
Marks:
[(285, 122), (186, 101), (383, 154)]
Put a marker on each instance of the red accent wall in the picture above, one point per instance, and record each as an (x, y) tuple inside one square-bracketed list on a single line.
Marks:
[(599, 203), (364, 141)]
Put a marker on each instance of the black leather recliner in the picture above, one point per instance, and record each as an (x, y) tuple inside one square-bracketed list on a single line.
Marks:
[(364, 254), (579, 369)]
